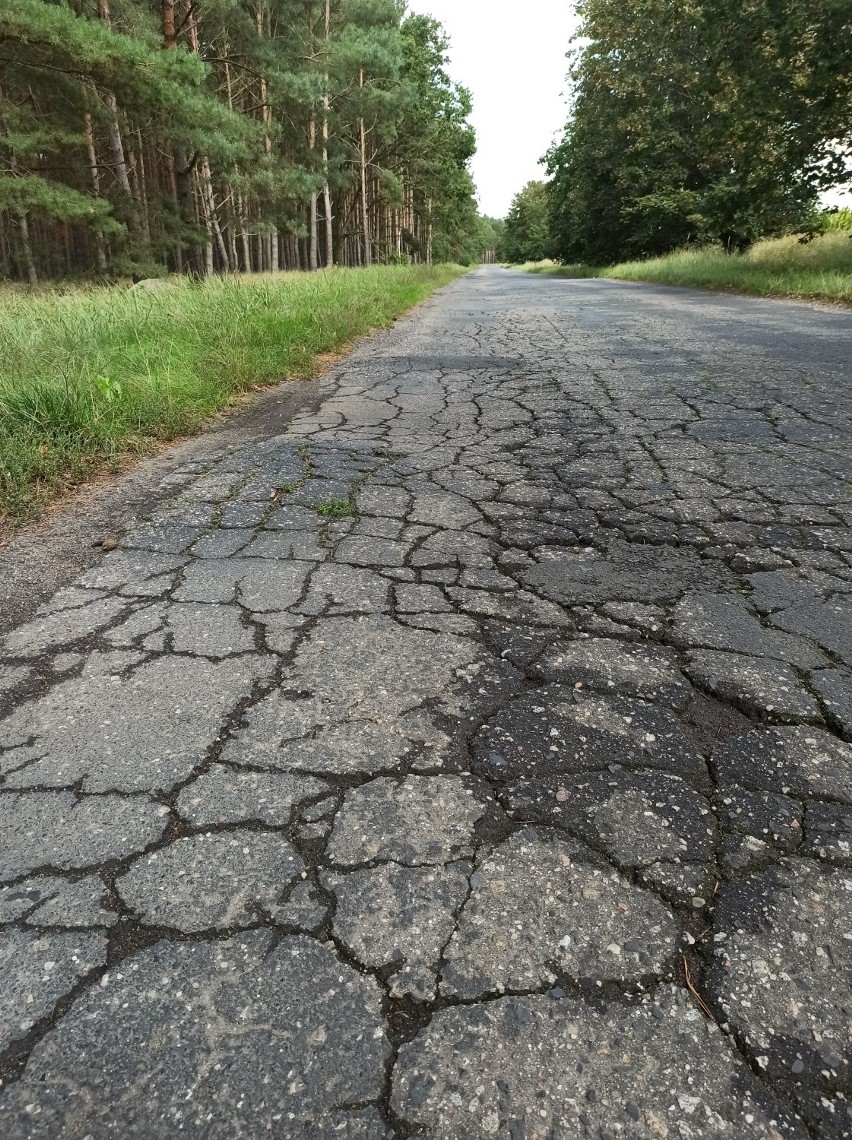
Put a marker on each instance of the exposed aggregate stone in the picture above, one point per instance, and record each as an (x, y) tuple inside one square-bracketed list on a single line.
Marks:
[(143, 732), (230, 879), (211, 1039), (37, 970), (424, 819), (535, 1067), (226, 795), (542, 907)]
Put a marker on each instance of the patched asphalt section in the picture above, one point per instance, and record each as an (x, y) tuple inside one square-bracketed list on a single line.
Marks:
[(465, 753)]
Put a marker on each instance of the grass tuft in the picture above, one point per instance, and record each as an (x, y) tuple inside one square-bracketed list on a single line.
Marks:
[(820, 269), (90, 374), (336, 508)]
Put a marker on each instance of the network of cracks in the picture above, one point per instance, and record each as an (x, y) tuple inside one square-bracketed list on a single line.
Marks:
[(470, 761)]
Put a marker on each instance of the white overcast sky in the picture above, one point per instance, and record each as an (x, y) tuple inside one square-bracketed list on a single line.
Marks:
[(511, 55)]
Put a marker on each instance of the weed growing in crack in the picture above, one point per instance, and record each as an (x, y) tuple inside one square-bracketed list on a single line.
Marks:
[(336, 508)]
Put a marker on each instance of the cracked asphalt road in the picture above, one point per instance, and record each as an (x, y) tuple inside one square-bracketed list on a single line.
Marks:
[(470, 760)]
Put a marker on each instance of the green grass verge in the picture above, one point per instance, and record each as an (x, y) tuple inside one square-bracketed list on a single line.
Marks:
[(783, 267), (88, 375)]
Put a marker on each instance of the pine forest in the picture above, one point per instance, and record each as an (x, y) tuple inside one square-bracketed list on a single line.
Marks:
[(139, 137)]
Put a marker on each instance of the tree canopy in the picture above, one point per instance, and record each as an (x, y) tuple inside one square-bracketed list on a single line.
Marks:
[(524, 235), (699, 120), (138, 136)]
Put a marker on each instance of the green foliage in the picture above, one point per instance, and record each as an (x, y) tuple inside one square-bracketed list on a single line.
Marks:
[(699, 121), (336, 508), (524, 235), (205, 148), (436, 143), (836, 220), (91, 373)]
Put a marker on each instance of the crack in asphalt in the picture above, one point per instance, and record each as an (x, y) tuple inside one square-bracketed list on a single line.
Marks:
[(637, 480)]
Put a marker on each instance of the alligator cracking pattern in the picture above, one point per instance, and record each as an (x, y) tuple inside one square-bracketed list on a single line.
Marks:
[(470, 761)]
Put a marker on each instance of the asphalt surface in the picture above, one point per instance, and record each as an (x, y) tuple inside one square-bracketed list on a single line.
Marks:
[(468, 760)]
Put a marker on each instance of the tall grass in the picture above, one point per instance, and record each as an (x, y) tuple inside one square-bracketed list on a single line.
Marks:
[(89, 374), (820, 269)]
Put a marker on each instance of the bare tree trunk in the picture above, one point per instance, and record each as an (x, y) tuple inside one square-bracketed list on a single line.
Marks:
[(365, 217), (167, 13), (326, 107), (27, 249), (313, 257), (143, 192), (136, 190), (244, 237), (266, 116), (182, 166), (100, 248), (210, 213), (116, 146)]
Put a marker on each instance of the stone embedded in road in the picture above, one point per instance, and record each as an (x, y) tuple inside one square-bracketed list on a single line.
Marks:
[(352, 701), (399, 917), (420, 599), (386, 502), (558, 730), (346, 589), (226, 795), (524, 1067), (210, 1039), (768, 688), (442, 509), (357, 1124), (135, 572), (64, 831), (647, 671), (542, 906), (262, 586), (143, 732), (761, 826), (220, 881), (799, 761), (361, 550), (828, 832), (304, 908), (517, 605), (783, 970), (37, 970), (13, 676), (780, 589), (420, 820)]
